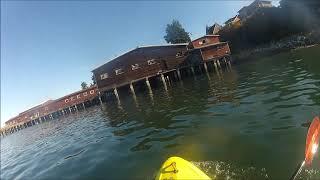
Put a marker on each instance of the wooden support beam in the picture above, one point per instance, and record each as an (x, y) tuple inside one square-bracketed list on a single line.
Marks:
[(215, 65), (150, 89), (205, 67), (175, 75), (225, 61), (164, 82), (148, 84), (179, 74), (192, 70), (168, 80), (229, 62), (100, 100), (132, 89), (115, 92), (218, 62)]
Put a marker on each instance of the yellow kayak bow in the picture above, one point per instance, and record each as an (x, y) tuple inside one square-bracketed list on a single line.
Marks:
[(176, 168)]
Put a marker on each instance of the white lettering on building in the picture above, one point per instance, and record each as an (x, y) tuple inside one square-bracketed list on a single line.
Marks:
[(78, 96)]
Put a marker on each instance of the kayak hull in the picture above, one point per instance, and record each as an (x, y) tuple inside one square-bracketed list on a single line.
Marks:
[(176, 168)]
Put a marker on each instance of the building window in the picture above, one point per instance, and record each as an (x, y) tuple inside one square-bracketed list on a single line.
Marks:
[(151, 61), (119, 71), (202, 42), (36, 114), (135, 66), (179, 54), (104, 76)]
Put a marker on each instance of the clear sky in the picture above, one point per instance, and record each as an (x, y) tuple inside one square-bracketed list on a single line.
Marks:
[(48, 48)]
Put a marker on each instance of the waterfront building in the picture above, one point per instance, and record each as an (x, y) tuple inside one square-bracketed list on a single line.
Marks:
[(139, 63), (157, 62), (209, 48), (143, 63), (248, 11), (51, 109), (214, 29)]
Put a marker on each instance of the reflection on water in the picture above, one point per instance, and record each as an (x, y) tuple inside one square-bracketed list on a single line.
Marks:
[(248, 122)]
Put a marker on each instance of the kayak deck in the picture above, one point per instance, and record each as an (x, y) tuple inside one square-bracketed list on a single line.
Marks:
[(178, 168)]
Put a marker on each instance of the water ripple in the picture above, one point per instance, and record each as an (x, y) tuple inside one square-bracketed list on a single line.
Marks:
[(235, 119)]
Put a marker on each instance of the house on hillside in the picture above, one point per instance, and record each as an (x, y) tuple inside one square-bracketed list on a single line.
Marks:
[(232, 21), (214, 29), (248, 11)]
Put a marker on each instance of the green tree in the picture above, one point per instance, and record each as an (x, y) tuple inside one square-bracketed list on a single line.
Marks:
[(175, 33), (84, 85)]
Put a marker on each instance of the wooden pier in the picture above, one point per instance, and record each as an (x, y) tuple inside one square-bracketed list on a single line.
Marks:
[(160, 62), (52, 109), (142, 65)]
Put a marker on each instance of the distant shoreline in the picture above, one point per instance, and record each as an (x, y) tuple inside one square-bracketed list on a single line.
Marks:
[(291, 43)]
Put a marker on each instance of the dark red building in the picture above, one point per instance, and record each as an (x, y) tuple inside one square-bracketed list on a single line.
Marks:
[(53, 107), (209, 48), (139, 63)]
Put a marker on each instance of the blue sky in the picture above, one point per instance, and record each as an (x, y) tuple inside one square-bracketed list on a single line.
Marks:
[(48, 48)]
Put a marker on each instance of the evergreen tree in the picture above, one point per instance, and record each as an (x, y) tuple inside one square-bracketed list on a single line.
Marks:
[(175, 33), (84, 85)]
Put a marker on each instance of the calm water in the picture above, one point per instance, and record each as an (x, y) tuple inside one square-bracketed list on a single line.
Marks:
[(248, 123)]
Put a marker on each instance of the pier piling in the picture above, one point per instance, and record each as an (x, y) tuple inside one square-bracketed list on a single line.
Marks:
[(192, 70), (115, 92), (132, 89), (148, 84), (179, 74), (205, 67), (215, 65), (218, 62), (149, 88), (164, 82)]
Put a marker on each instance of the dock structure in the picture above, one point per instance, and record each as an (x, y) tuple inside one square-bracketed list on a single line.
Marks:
[(51, 109), (162, 63), (142, 65)]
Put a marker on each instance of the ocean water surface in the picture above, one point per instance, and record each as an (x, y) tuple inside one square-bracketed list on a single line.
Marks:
[(248, 122)]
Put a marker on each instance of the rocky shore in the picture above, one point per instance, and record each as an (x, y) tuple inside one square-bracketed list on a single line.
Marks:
[(289, 43)]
